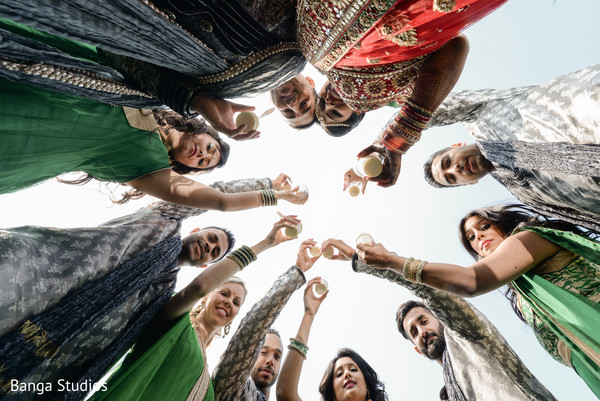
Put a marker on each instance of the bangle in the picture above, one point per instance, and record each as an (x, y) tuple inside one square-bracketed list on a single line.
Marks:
[(405, 128), (413, 270), (299, 346), (267, 197), (242, 256), (406, 267)]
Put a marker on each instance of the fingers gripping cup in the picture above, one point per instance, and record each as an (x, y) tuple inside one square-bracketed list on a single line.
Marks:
[(370, 166), (247, 118), (293, 232), (320, 288)]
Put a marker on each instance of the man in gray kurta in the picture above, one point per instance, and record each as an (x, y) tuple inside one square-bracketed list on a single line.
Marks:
[(478, 363), (543, 143), (41, 267), (233, 378)]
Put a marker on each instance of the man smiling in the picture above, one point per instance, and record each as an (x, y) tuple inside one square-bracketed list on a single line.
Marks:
[(116, 276), (295, 100)]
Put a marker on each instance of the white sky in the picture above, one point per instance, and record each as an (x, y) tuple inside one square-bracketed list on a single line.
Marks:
[(523, 43)]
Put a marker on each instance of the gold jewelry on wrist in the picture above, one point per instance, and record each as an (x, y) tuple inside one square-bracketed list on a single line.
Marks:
[(413, 270)]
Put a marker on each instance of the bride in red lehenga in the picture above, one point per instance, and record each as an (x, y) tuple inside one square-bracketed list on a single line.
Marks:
[(404, 53)]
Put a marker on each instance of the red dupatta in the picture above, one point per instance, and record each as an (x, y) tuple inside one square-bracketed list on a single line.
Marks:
[(370, 50)]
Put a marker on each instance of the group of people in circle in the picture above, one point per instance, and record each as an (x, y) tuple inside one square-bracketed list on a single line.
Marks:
[(85, 86)]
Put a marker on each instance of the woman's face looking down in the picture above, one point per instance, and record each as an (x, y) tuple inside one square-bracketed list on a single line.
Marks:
[(348, 381)]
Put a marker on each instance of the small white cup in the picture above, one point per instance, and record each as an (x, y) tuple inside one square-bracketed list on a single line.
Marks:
[(249, 119), (365, 238), (354, 189), (370, 165), (328, 252), (303, 188), (315, 251), (293, 232), (321, 288)]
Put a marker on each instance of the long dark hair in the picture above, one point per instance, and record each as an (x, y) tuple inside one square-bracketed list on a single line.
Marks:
[(376, 388), (508, 218), (169, 119)]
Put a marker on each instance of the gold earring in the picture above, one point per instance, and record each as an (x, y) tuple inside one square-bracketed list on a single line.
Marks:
[(368, 396)]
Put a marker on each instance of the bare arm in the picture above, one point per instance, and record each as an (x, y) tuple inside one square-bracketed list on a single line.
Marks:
[(513, 257), (289, 376), (434, 82), (175, 188), (440, 73), (217, 274), (238, 359)]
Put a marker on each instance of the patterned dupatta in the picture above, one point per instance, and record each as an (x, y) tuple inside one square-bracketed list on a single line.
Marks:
[(42, 336), (370, 50), (572, 317)]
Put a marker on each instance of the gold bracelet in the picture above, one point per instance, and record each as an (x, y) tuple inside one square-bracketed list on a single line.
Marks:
[(413, 270)]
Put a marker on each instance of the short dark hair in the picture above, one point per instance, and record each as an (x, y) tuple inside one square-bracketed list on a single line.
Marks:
[(273, 331), (375, 387), (427, 168), (230, 238), (352, 121), (403, 311)]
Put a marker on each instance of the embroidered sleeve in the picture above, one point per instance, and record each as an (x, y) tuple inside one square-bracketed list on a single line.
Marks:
[(456, 313), (465, 106), (176, 212), (231, 375)]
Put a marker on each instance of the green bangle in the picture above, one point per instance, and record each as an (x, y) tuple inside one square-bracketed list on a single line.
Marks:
[(242, 256), (299, 346), (267, 197)]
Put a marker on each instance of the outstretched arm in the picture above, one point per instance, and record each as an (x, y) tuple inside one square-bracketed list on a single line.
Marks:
[(289, 376), (175, 188), (513, 257), (231, 376), (217, 274), (434, 82)]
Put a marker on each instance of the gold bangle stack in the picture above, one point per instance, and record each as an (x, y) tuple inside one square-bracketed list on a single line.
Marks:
[(267, 197), (242, 256), (413, 270)]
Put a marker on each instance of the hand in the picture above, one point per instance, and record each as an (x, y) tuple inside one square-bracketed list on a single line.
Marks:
[(391, 164), (304, 262), (375, 256), (275, 236), (350, 177), (281, 181), (219, 113), (345, 251), (293, 195), (311, 301)]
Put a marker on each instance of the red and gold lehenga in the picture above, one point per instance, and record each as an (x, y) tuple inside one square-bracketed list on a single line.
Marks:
[(370, 50)]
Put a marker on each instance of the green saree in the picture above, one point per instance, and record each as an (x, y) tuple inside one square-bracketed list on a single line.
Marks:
[(571, 316), (46, 133), (162, 366)]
